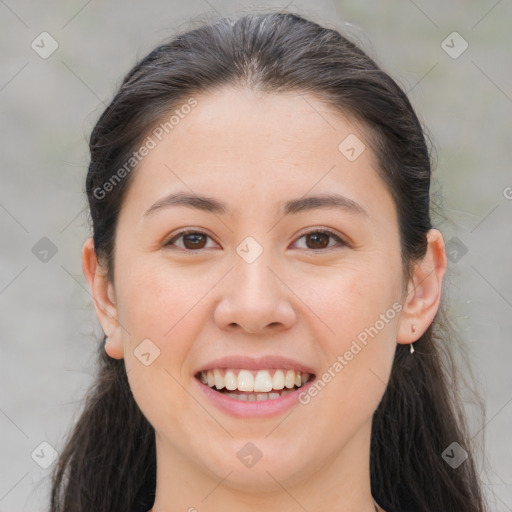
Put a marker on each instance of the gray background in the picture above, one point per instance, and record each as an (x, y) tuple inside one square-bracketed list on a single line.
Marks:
[(48, 107)]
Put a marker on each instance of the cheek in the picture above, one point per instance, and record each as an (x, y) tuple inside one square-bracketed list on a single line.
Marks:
[(160, 311), (354, 296), (165, 307), (157, 299), (360, 305)]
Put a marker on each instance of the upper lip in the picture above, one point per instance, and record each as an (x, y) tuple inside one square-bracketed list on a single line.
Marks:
[(267, 362)]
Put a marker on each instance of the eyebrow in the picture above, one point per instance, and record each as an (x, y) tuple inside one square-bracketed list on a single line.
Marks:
[(293, 206)]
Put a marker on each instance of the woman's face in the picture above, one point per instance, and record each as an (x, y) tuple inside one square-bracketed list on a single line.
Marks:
[(268, 279)]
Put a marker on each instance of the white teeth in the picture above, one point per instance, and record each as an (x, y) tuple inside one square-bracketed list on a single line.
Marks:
[(219, 381), (230, 380), (245, 381), (289, 380), (260, 381), (256, 397), (278, 380)]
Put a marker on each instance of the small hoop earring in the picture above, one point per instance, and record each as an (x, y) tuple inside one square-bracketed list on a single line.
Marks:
[(413, 329)]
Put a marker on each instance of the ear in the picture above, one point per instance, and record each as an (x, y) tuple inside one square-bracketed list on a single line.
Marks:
[(423, 291), (103, 294)]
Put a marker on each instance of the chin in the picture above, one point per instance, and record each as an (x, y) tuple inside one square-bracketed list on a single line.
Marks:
[(259, 467)]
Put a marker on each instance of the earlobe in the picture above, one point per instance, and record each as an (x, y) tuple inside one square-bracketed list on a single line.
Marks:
[(103, 294), (114, 349), (424, 291)]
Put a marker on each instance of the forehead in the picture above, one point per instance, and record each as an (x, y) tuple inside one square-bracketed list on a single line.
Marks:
[(258, 147)]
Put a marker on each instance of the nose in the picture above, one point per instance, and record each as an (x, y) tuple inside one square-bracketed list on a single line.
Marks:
[(254, 298)]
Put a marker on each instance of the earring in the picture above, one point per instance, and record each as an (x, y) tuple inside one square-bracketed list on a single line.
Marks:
[(413, 329)]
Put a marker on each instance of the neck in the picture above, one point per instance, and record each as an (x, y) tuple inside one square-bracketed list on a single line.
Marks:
[(342, 482)]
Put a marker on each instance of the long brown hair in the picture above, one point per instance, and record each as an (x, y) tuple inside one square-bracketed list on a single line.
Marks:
[(108, 462)]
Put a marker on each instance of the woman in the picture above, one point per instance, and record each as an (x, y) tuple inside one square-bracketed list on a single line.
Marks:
[(265, 270)]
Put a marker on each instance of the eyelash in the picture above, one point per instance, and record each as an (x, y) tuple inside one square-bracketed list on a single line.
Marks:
[(332, 234)]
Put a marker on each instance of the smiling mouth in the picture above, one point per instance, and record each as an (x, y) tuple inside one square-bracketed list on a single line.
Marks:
[(253, 385)]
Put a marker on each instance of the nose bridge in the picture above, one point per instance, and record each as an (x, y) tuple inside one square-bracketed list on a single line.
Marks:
[(253, 279), (255, 298)]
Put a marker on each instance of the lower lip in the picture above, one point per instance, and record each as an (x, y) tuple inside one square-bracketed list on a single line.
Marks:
[(259, 409)]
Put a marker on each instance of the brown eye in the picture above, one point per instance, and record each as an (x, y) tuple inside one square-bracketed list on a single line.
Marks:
[(194, 241), (189, 240), (319, 240)]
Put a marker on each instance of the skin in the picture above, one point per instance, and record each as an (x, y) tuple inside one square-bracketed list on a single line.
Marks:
[(253, 151)]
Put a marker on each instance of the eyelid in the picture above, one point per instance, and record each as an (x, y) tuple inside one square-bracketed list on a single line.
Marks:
[(186, 231), (320, 229), (341, 242)]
